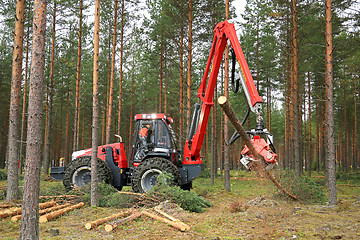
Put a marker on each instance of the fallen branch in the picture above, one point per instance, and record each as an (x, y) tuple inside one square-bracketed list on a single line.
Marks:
[(259, 164), (187, 227), (50, 216), (174, 224), (111, 226), (42, 212), (97, 222)]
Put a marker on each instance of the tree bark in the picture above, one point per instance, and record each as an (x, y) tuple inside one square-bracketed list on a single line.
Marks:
[(121, 63), (46, 159), (50, 216), (295, 90), (310, 149), (115, 224), (24, 110), (95, 118), (111, 88), (188, 100), (226, 120), (14, 114), (181, 117), (29, 228), (77, 87), (330, 138)]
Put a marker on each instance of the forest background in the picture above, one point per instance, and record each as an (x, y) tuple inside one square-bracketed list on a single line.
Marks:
[(155, 70)]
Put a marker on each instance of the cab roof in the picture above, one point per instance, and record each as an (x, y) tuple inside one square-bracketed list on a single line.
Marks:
[(154, 116)]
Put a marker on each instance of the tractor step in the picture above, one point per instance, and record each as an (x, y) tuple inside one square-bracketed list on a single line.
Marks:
[(57, 173)]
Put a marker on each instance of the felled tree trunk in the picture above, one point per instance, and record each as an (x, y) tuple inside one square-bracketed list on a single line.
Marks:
[(259, 164)]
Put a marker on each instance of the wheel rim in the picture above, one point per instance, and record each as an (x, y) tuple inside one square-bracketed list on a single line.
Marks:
[(148, 179), (82, 176)]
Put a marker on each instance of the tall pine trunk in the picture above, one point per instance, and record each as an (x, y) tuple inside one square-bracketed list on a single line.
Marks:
[(29, 228), (95, 118), (14, 115), (24, 105), (330, 138), (77, 87), (295, 90), (188, 100), (111, 88), (46, 159), (226, 120), (121, 62)]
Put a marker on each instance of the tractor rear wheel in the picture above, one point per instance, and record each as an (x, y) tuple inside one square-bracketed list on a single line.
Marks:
[(145, 175), (78, 173)]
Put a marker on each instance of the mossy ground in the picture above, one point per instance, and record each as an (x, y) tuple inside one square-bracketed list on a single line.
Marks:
[(285, 219)]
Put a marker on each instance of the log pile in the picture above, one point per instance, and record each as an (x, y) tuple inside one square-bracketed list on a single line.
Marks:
[(17, 211), (50, 216), (132, 215), (42, 212)]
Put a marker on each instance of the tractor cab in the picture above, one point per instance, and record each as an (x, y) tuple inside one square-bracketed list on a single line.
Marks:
[(153, 137)]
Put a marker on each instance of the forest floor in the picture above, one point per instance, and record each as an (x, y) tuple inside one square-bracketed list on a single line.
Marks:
[(260, 215)]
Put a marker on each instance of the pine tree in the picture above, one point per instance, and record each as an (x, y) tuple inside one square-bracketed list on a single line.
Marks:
[(29, 228)]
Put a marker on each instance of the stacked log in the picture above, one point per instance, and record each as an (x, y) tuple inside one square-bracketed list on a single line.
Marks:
[(17, 211), (58, 213), (42, 212)]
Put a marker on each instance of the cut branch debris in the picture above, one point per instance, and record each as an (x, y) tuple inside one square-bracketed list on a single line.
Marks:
[(115, 224), (259, 164), (50, 216), (97, 222)]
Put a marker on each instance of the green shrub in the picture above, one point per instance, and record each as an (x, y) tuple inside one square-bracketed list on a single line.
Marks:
[(205, 174), (187, 200), (3, 174), (302, 187), (108, 196)]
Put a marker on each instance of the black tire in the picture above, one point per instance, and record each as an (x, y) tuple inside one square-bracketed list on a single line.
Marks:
[(187, 186), (78, 173), (144, 176)]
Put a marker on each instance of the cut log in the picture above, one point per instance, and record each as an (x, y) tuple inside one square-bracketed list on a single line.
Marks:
[(58, 196), (17, 211), (97, 222), (42, 212), (47, 204), (6, 205), (177, 225), (50, 216), (172, 218), (115, 224), (259, 164), (10, 212)]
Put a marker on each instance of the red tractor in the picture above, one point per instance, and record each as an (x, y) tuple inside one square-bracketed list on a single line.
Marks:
[(154, 149)]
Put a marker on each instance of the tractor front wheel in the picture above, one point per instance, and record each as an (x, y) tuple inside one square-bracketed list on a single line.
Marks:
[(78, 173), (145, 175)]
